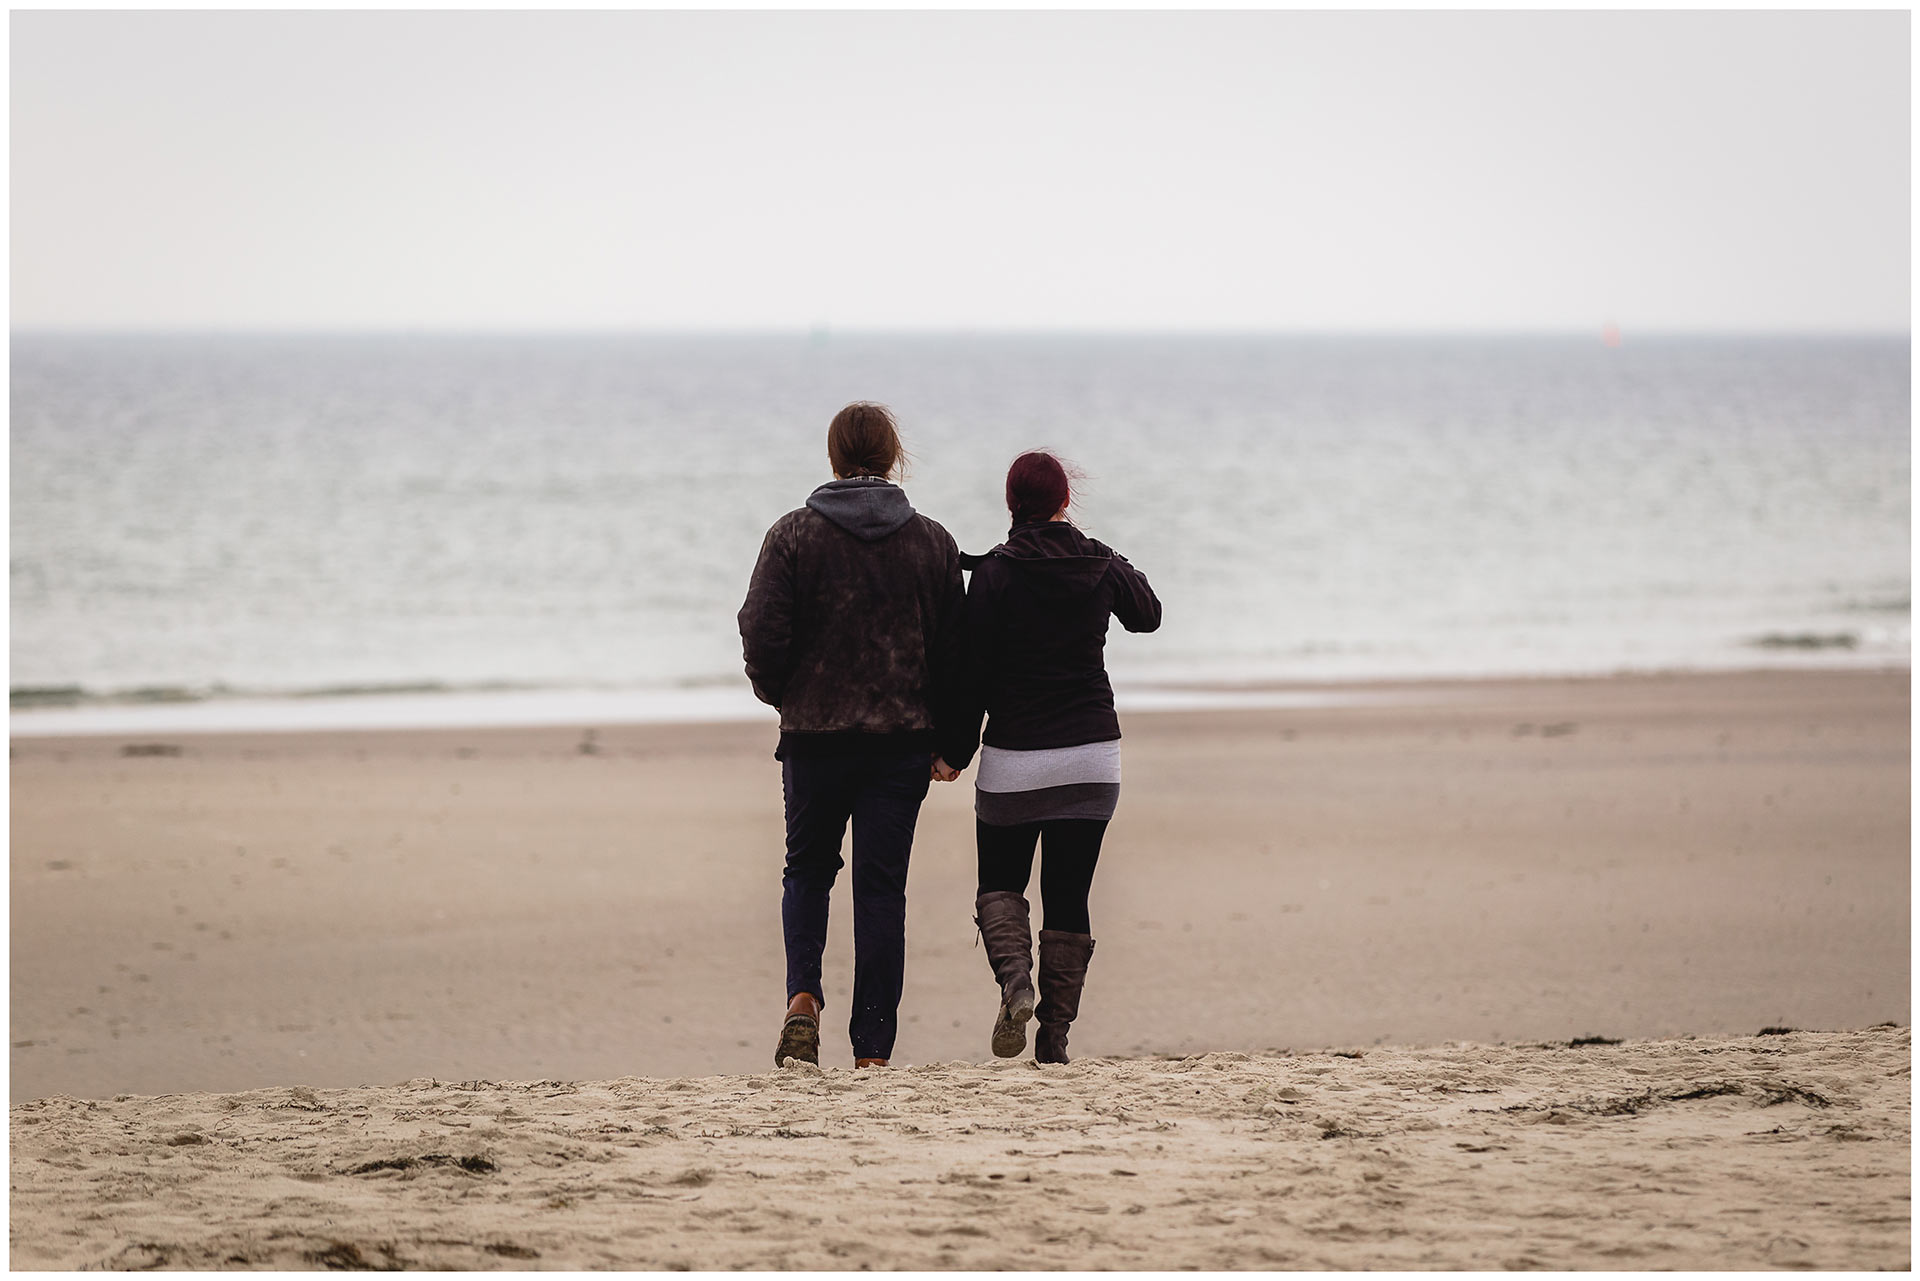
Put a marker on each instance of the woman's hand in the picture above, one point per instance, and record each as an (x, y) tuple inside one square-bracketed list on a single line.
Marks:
[(943, 772)]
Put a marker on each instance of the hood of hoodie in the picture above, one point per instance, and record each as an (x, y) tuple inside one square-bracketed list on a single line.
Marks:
[(865, 506), (1056, 558)]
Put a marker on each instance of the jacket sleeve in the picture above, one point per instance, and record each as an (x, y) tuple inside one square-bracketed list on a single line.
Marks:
[(766, 619), (970, 703), (947, 659), (1134, 603)]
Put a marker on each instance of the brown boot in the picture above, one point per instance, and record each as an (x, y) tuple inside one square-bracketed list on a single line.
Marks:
[(1063, 972), (1005, 927)]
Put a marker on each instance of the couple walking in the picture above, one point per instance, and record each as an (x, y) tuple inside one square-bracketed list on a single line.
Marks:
[(858, 628)]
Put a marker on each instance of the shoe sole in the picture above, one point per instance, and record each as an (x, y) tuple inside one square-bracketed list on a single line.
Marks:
[(1010, 1028), (800, 1040)]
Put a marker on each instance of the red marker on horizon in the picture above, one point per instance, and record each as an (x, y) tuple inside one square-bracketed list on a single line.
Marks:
[(1610, 334)]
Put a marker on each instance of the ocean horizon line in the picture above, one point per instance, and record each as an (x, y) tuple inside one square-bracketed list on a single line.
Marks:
[(1598, 332)]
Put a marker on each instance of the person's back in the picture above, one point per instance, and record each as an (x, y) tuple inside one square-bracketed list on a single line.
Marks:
[(1038, 612), (851, 625)]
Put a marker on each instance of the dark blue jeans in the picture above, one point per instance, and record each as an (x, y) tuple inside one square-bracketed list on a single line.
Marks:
[(882, 795)]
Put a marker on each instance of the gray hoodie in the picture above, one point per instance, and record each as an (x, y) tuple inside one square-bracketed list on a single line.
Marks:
[(865, 506)]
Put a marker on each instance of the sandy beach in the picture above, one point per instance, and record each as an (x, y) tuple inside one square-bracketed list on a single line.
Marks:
[(274, 929), (1704, 855), (1758, 1152)]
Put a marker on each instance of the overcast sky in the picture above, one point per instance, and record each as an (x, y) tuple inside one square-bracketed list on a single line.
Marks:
[(1244, 170)]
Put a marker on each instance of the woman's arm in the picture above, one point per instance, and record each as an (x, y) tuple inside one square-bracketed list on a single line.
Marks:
[(1134, 603), (946, 661), (962, 739)]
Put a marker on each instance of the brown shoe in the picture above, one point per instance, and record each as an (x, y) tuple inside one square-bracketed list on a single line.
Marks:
[(800, 1035), (860, 1063)]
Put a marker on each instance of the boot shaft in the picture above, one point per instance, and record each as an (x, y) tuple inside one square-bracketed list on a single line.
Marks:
[(1005, 921), (1063, 973)]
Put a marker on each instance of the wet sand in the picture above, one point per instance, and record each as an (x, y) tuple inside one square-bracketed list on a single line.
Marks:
[(1525, 861)]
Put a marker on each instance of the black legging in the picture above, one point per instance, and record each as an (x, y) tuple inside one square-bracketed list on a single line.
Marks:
[(1072, 847)]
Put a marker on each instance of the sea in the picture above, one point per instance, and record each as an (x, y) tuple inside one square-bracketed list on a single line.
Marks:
[(287, 531)]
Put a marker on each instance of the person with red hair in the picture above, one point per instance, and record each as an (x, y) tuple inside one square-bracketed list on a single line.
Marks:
[(1049, 776)]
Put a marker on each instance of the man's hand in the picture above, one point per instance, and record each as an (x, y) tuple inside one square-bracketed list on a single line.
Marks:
[(943, 772)]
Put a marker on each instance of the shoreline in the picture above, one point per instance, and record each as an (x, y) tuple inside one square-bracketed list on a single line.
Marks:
[(405, 708)]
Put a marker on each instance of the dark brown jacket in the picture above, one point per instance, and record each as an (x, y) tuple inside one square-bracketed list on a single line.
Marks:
[(854, 620)]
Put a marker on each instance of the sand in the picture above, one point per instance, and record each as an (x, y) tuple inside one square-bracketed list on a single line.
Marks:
[(1760, 1152), (1523, 861), (1519, 862)]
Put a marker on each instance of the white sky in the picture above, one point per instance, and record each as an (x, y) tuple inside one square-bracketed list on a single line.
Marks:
[(1717, 170)]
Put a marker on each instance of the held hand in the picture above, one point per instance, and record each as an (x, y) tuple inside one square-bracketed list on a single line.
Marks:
[(943, 772)]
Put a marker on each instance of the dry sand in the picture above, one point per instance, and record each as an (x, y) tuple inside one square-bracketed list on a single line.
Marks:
[(1761, 1152), (1521, 862)]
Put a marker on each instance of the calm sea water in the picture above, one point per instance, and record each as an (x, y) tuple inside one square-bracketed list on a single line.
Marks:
[(284, 515)]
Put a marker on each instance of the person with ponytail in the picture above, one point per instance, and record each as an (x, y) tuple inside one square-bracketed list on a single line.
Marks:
[(852, 627), (1049, 769)]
